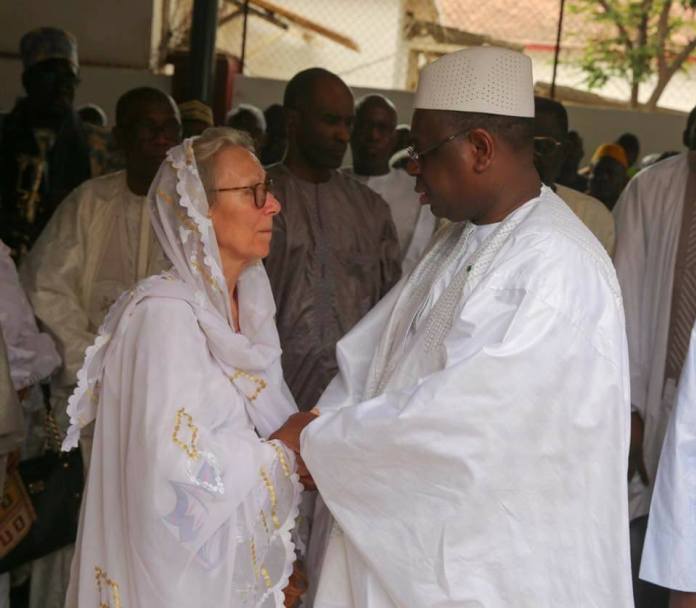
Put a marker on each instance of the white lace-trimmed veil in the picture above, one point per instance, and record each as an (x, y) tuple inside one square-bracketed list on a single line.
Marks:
[(251, 359)]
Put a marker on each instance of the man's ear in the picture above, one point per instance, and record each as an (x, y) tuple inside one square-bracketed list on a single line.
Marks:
[(120, 137), (483, 149)]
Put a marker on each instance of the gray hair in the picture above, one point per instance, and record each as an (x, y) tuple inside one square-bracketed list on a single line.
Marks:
[(207, 146)]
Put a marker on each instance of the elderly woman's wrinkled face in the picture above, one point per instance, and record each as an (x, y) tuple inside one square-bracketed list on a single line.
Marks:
[(243, 230)]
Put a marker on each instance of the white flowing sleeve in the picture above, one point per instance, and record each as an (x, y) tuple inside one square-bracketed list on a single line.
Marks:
[(630, 262), (449, 489), (186, 504), (669, 558), (52, 276), (32, 355)]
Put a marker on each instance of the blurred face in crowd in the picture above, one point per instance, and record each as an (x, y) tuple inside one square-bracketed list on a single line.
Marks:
[(374, 136), (151, 127), (574, 151), (549, 146), (690, 131), (631, 147), (246, 121), (50, 87), (322, 128), (241, 207), (607, 180)]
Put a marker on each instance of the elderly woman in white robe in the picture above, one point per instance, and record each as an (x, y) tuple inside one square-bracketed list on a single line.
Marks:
[(189, 500)]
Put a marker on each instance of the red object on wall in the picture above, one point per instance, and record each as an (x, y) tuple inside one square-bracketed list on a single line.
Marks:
[(226, 67)]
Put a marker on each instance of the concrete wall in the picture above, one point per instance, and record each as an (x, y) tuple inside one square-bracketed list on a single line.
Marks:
[(102, 86), (118, 32), (657, 132)]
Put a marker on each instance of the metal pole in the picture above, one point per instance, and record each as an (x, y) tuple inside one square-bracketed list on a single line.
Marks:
[(244, 35), (557, 52), (202, 55)]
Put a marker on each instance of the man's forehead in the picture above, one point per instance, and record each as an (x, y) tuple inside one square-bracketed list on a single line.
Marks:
[(377, 112), (160, 109), (332, 95)]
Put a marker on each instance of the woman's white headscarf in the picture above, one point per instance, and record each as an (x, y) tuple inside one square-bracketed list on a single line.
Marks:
[(251, 358)]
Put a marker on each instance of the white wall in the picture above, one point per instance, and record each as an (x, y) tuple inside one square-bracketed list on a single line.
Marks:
[(374, 24), (117, 32), (657, 132), (102, 86)]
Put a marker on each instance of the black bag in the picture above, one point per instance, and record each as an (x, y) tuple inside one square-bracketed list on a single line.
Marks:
[(54, 483)]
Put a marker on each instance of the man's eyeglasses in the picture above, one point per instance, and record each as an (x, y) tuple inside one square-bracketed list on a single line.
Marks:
[(414, 154), (260, 192), (546, 145)]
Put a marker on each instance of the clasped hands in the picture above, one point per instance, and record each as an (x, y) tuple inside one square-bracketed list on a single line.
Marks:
[(289, 434)]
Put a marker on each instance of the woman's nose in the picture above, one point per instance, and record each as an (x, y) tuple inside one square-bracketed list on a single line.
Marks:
[(272, 206)]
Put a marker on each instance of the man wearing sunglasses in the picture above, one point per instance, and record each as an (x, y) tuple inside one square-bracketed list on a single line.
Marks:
[(43, 150), (472, 449), (550, 149), (97, 245)]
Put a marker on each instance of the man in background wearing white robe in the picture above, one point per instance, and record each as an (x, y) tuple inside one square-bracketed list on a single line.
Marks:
[(98, 244), (472, 449), (372, 144), (656, 264), (669, 558)]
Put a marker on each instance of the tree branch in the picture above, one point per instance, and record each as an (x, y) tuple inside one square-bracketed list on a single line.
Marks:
[(661, 36), (664, 78), (623, 32)]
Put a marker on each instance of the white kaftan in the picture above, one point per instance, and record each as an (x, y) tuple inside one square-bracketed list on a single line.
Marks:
[(648, 223), (97, 245), (473, 448), (669, 553), (186, 504)]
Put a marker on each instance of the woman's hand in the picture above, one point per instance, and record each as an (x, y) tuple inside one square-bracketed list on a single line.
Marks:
[(289, 434)]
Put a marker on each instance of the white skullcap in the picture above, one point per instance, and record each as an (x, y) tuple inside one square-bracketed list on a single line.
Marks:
[(484, 79)]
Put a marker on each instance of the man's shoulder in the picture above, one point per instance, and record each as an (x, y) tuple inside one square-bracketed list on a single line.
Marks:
[(583, 204), (104, 187), (663, 169), (562, 241)]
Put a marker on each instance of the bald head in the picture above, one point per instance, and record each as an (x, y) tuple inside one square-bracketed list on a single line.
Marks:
[(303, 86), (319, 112), (374, 135), (130, 104)]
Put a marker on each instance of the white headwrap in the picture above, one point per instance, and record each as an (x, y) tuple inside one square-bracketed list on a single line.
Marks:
[(251, 359)]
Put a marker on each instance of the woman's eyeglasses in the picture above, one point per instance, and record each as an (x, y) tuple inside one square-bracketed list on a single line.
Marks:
[(260, 192)]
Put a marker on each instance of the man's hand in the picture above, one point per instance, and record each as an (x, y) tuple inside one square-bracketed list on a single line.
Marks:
[(289, 434), (636, 461)]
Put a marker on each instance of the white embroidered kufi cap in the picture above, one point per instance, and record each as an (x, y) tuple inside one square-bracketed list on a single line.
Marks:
[(488, 80)]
